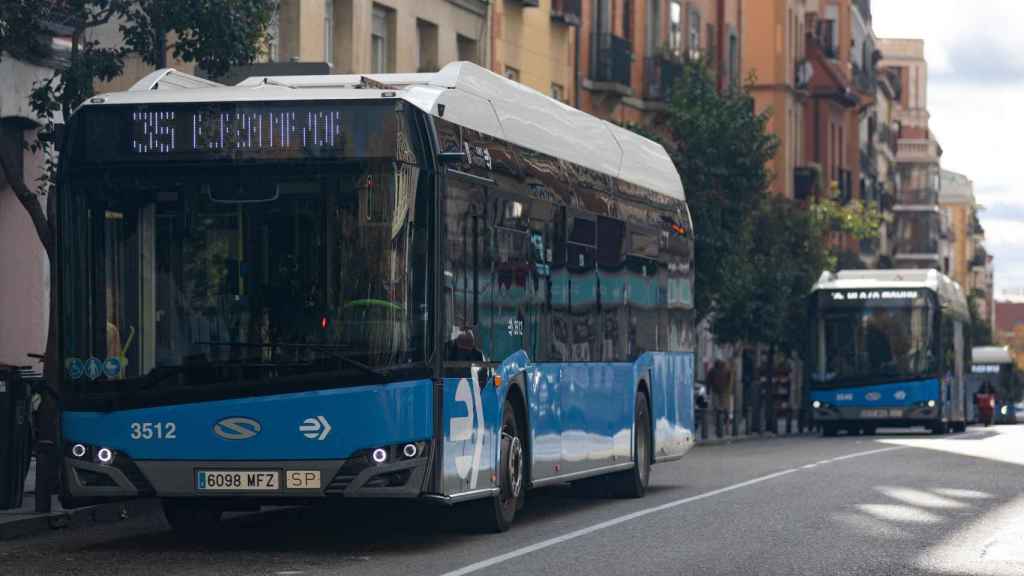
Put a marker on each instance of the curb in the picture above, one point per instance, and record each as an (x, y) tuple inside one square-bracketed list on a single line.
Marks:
[(33, 524)]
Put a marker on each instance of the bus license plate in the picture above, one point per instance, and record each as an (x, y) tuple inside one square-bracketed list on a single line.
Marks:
[(882, 413), (237, 480)]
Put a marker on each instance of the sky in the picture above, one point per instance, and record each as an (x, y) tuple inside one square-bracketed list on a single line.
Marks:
[(975, 55)]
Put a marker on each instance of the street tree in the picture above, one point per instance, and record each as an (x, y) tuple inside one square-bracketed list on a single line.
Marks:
[(721, 147), (757, 254)]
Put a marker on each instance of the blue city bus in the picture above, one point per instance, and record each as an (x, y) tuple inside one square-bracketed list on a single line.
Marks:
[(888, 350), (437, 286), (992, 372)]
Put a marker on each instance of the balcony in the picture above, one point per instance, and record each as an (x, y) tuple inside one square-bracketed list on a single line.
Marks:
[(917, 150), (802, 73), (922, 197), (660, 74), (917, 236), (566, 12), (610, 69), (886, 138), (865, 80)]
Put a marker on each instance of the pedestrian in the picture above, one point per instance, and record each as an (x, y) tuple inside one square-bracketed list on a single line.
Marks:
[(721, 386)]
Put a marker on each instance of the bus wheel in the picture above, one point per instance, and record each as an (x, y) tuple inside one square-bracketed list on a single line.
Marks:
[(939, 428), (870, 430), (192, 519), (829, 430), (496, 514), (633, 483)]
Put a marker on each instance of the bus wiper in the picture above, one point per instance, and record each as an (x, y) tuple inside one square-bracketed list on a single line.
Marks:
[(358, 365), (331, 351)]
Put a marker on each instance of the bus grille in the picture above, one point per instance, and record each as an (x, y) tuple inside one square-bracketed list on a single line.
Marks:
[(348, 472)]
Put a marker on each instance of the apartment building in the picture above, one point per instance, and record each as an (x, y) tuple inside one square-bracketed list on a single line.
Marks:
[(774, 59), (883, 132), (918, 219), (631, 52), (358, 36), (970, 264), (535, 42)]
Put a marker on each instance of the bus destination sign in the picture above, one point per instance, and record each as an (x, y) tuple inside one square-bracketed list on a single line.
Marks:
[(258, 131), (239, 131), (865, 295)]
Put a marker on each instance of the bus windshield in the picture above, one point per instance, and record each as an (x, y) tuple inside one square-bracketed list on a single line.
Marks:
[(223, 273), (869, 343)]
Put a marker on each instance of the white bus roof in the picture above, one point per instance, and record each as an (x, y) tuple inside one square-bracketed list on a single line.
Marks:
[(461, 92), (991, 355), (949, 292)]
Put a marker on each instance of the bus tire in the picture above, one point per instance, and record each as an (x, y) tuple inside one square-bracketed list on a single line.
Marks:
[(496, 514), (192, 519), (633, 482), (870, 430), (940, 428), (829, 430)]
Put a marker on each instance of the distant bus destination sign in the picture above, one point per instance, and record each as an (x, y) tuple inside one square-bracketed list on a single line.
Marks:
[(240, 131), (855, 295)]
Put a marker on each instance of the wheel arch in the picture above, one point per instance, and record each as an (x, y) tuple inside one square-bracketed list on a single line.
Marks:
[(516, 395)]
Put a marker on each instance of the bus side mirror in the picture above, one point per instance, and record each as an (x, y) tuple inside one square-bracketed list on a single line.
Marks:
[(451, 157)]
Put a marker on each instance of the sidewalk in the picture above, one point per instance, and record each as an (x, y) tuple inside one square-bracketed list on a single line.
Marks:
[(726, 437), (25, 521)]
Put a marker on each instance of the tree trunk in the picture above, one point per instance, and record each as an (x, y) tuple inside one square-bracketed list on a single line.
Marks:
[(756, 410), (770, 414), (160, 47)]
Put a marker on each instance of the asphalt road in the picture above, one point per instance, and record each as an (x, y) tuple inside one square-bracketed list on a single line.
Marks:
[(901, 503)]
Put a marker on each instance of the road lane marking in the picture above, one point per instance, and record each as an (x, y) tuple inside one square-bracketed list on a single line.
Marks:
[(481, 565)]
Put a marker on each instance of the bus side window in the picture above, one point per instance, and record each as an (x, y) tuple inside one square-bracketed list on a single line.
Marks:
[(542, 224), (642, 292), (581, 252), (509, 277), (611, 261), (464, 205)]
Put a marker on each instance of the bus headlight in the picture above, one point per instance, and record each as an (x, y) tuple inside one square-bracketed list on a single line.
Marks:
[(816, 404), (380, 455), (931, 403), (105, 455), (79, 450), (1003, 410)]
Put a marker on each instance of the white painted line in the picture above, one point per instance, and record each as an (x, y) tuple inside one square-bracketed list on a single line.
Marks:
[(478, 566)]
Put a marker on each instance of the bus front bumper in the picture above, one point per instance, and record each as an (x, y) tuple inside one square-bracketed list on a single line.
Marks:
[(88, 481), (880, 416)]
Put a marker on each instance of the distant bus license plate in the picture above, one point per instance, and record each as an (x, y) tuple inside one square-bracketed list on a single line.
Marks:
[(237, 480), (882, 413)]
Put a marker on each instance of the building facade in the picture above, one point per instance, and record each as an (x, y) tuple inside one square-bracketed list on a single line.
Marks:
[(535, 42), (360, 36), (956, 198), (918, 219), (1009, 327), (631, 52), (775, 62), (884, 133)]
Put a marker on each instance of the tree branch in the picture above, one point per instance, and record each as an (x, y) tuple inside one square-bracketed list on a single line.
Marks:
[(27, 198), (100, 19)]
